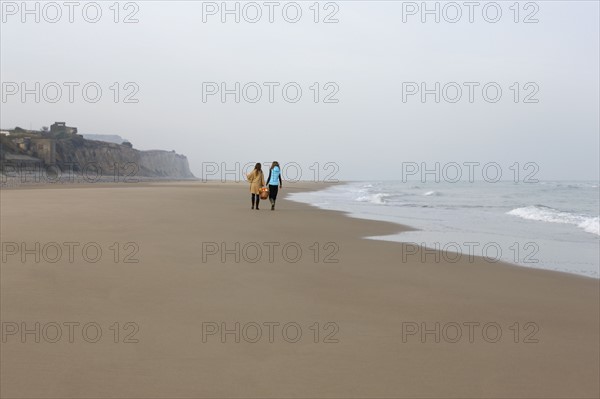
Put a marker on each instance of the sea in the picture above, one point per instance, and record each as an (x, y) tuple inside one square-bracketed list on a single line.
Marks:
[(551, 225)]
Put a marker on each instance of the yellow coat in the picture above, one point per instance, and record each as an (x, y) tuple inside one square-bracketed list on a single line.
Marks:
[(257, 180)]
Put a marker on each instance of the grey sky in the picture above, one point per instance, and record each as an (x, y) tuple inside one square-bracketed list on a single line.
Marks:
[(368, 54)]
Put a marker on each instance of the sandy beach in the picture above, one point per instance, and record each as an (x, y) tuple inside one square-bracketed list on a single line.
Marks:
[(163, 290)]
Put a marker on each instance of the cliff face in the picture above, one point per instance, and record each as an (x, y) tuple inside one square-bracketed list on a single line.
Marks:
[(73, 153), (164, 163), (91, 156), (109, 138)]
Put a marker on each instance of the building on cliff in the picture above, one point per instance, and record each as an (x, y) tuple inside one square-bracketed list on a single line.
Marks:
[(61, 128)]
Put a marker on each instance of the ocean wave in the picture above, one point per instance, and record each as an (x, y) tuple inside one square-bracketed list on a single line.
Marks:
[(432, 193), (573, 185), (378, 198), (543, 213)]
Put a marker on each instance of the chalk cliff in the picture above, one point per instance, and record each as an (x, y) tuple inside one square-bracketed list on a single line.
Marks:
[(75, 153)]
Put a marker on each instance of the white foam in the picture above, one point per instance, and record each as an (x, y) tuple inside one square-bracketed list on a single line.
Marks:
[(378, 198), (432, 193), (591, 225), (551, 215)]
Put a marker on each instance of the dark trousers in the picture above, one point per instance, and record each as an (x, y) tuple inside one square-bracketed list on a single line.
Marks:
[(273, 193), (257, 199)]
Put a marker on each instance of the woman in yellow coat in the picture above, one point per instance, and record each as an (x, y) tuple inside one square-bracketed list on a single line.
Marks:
[(257, 180)]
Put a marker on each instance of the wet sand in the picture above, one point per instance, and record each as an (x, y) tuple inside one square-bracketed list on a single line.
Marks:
[(187, 270)]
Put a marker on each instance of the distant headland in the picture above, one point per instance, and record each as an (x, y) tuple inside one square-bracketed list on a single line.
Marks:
[(60, 149)]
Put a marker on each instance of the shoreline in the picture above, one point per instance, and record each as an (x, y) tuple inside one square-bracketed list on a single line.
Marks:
[(305, 186), (368, 293), (434, 240)]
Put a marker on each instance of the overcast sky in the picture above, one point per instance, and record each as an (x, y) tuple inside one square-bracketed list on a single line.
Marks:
[(368, 57)]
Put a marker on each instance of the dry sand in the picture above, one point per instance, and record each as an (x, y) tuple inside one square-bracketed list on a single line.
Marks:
[(175, 298)]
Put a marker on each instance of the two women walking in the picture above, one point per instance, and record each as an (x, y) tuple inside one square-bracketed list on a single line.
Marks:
[(257, 182)]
